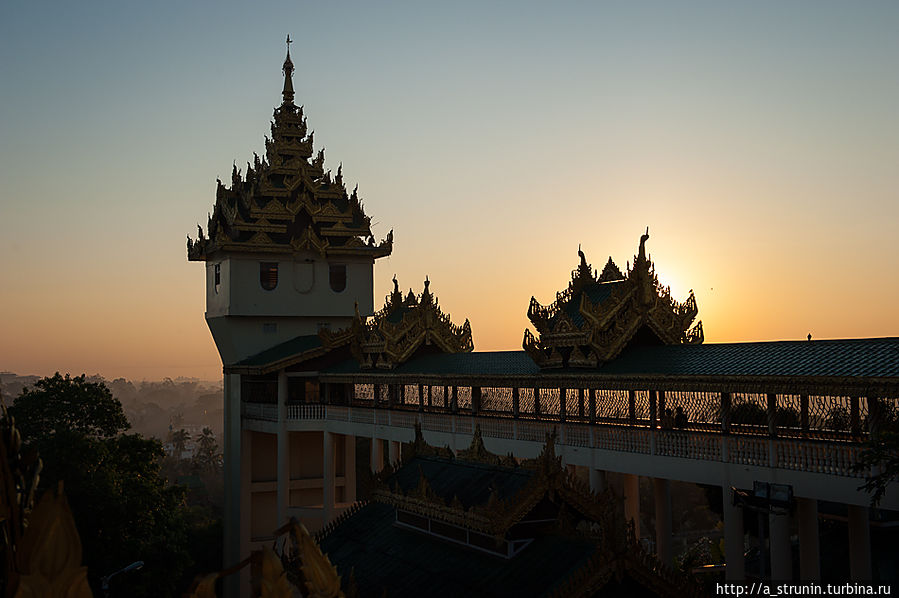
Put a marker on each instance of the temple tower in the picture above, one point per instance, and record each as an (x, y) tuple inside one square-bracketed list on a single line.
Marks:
[(289, 254), (288, 251)]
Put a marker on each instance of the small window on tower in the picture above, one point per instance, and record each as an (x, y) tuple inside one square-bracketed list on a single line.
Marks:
[(268, 275), (338, 277), (218, 277)]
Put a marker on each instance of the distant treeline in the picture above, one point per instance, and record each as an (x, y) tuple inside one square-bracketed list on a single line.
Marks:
[(153, 408)]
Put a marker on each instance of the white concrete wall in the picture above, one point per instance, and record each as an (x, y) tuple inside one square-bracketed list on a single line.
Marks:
[(245, 319), (303, 287)]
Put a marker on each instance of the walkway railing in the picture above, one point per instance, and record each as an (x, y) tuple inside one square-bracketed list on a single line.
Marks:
[(810, 455)]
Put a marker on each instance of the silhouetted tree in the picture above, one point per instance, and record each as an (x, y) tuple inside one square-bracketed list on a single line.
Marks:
[(122, 508), (68, 404), (207, 457), (179, 442)]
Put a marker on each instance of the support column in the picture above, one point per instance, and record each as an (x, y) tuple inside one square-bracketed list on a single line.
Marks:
[(733, 538), (283, 480), (662, 493), (725, 412), (515, 402), (803, 414), (859, 544), (631, 408), (781, 551), (328, 469), (349, 469), (597, 480), (631, 486), (772, 418), (234, 540), (377, 455), (809, 545), (246, 508), (394, 451)]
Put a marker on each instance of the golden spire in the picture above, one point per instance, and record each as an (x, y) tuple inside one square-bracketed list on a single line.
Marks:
[(288, 75)]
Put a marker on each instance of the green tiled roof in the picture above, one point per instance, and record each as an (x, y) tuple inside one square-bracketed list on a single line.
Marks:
[(874, 357), (285, 350), (485, 362), (869, 357), (406, 563)]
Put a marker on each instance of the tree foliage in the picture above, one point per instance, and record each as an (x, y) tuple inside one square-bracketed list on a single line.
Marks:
[(122, 508), (207, 457), (68, 404), (880, 460)]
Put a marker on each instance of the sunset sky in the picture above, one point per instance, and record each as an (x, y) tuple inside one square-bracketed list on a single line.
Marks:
[(759, 141)]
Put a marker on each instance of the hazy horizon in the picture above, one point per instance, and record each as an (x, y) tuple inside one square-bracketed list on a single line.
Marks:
[(759, 142)]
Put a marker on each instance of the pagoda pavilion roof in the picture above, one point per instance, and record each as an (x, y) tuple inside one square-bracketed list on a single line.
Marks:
[(383, 555), (490, 496), (286, 202), (600, 314)]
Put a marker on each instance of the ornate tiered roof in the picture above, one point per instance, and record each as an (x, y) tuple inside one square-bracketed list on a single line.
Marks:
[(575, 542), (287, 201), (399, 329), (596, 317)]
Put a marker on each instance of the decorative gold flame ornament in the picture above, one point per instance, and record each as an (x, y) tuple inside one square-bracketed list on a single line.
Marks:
[(49, 556), (596, 317), (402, 327), (41, 547)]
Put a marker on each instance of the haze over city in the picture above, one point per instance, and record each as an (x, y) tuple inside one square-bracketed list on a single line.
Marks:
[(759, 142)]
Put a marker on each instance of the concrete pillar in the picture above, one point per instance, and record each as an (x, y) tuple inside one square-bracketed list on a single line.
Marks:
[(631, 487), (631, 408), (597, 480), (394, 451), (283, 483), (329, 471), (231, 440), (781, 551), (662, 494), (859, 544), (246, 506), (809, 545), (733, 538), (377, 455), (349, 469)]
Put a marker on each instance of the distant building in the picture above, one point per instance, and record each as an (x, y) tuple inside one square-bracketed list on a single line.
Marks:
[(615, 365)]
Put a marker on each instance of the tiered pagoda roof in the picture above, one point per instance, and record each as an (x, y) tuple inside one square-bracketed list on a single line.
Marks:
[(596, 317), (433, 516), (402, 328), (287, 202)]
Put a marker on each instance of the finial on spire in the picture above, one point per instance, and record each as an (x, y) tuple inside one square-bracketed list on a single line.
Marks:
[(643, 239), (288, 75)]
